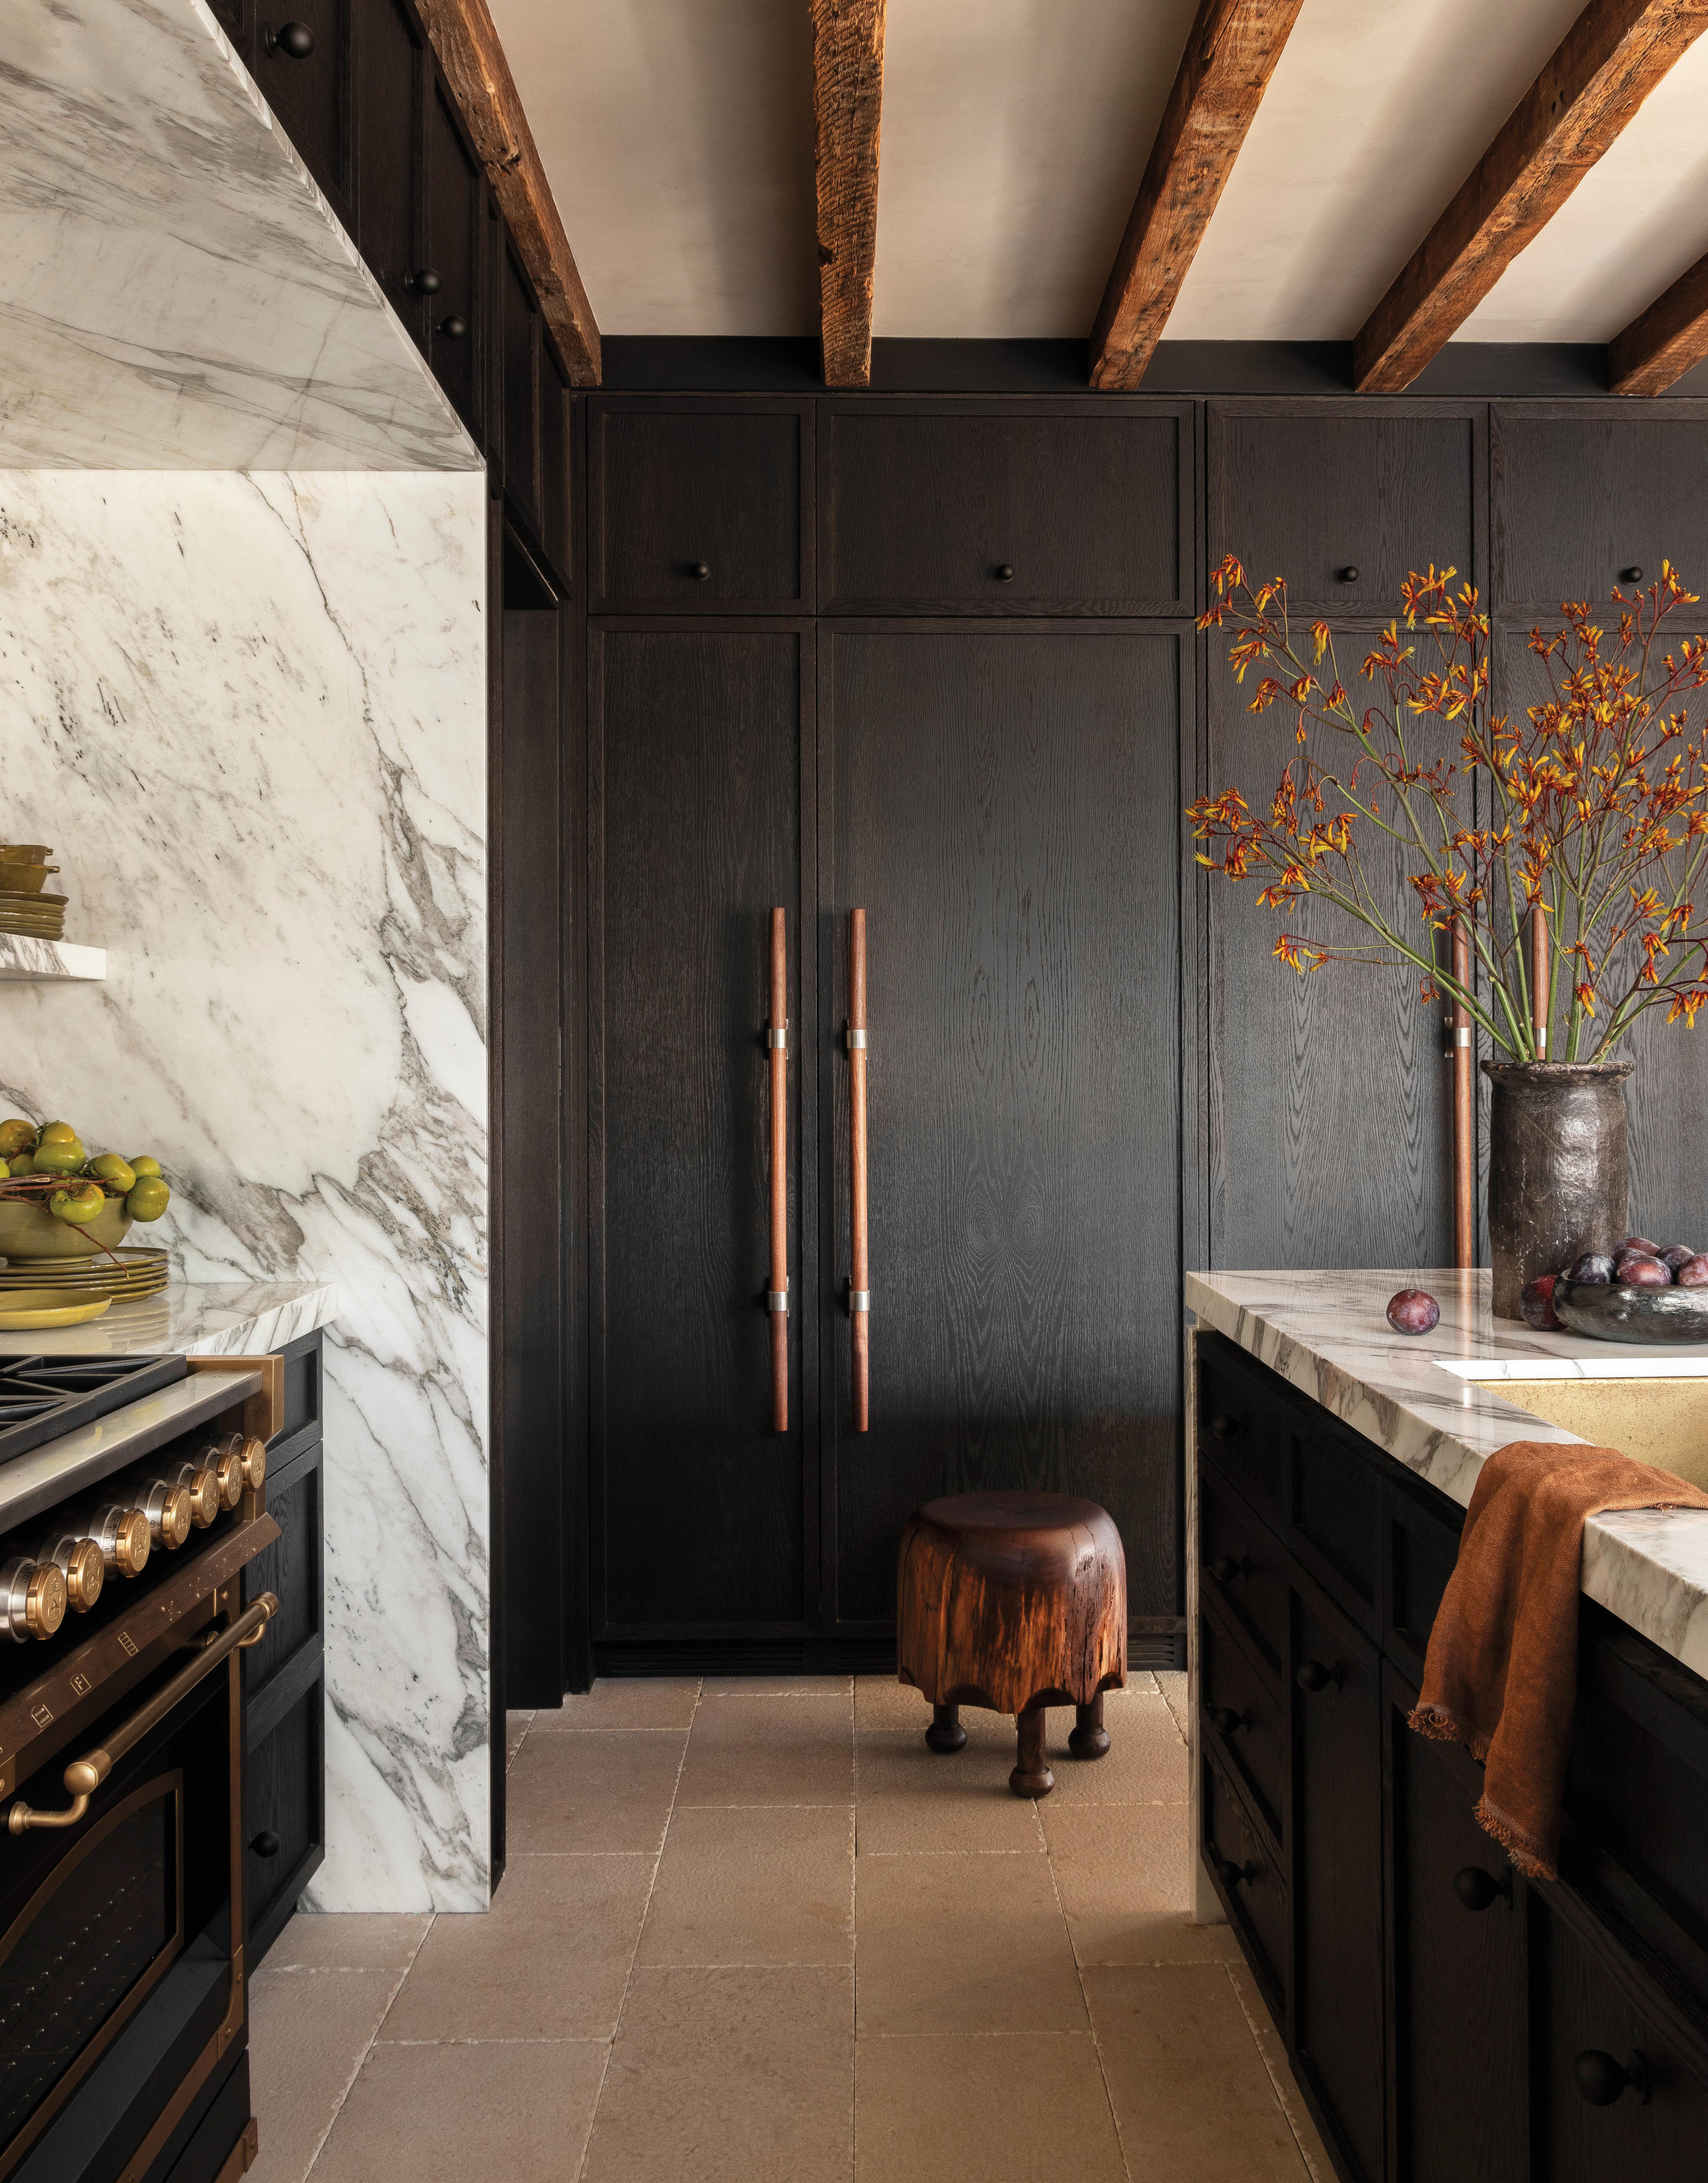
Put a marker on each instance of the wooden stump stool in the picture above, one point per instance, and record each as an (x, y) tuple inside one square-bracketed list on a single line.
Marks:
[(1017, 1602)]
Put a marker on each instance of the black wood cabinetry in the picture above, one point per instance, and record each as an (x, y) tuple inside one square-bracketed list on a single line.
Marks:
[(284, 1694), (1445, 2020)]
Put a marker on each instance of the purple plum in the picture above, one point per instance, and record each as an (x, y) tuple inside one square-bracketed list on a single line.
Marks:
[(1675, 1254), (1413, 1311), (1693, 1273), (1640, 1243), (1638, 1272), (1536, 1305), (1594, 1270)]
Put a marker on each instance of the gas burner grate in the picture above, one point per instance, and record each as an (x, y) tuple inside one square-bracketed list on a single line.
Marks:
[(43, 1398)]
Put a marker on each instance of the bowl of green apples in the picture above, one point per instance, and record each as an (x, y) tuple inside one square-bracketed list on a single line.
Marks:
[(57, 1201)]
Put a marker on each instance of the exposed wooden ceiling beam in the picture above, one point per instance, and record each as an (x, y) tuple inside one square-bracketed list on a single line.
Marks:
[(1605, 66), (847, 108), (1230, 55), (467, 43), (1657, 348)]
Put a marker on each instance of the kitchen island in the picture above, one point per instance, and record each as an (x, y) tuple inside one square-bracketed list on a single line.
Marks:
[(1446, 2019)]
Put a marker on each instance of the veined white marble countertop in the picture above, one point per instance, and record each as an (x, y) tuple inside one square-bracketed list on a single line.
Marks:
[(1432, 1401), (193, 1318)]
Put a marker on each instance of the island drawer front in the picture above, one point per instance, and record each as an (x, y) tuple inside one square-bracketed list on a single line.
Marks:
[(1248, 1879), (1336, 1527), (1253, 1743), (1420, 1549), (1244, 1569), (1244, 1424)]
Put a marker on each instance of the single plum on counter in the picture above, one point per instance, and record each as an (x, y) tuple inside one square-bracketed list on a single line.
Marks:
[(1594, 1268), (1536, 1305), (1413, 1311), (1693, 1273), (1638, 1243), (1675, 1254), (1638, 1272)]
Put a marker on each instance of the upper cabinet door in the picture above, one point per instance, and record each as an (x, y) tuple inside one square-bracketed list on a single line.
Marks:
[(1346, 499), (555, 492), (309, 91), (996, 508), (388, 145), (1585, 493), (698, 506), (519, 319), (454, 192)]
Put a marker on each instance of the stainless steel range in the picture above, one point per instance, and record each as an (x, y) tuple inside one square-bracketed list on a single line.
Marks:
[(132, 1492)]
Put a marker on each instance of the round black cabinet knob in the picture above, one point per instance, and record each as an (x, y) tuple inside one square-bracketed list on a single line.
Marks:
[(295, 41), (1227, 1720), (1633, 576), (265, 1844), (425, 282), (1349, 574), (1311, 1675), (454, 326), (1005, 572), (1601, 2080), (1229, 1873), (1223, 1427), (1224, 1568), (1478, 1890), (699, 571)]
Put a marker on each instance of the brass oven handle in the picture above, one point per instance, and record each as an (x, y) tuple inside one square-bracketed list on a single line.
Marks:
[(860, 1271), (85, 1775), (777, 1039)]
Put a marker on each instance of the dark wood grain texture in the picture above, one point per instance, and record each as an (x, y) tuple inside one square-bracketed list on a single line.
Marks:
[(847, 111), (1665, 341), (921, 507), (388, 91), (520, 322), (1591, 88), (290, 1569), (312, 97), (859, 1202), (1005, 803), (283, 1797), (1230, 54), (454, 226), (699, 1508)]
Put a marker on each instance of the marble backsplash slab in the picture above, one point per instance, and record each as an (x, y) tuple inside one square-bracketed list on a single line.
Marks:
[(249, 713)]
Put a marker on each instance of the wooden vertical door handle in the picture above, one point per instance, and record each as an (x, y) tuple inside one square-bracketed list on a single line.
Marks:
[(860, 1270), (777, 1038)]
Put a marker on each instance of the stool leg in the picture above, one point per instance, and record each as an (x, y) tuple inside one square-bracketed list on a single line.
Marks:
[(1089, 1739), (1031, 1776), (946, 1733)]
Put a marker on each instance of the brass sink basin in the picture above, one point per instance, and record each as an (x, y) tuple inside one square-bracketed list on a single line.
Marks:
[(1660, 1422)]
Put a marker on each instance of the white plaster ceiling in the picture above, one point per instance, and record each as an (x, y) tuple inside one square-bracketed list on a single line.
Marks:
[(676, 135)]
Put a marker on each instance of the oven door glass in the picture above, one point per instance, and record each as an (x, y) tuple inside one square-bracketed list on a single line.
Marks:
[(87, 1947)]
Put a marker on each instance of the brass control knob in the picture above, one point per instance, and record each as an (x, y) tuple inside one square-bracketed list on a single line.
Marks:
[(79, 1561), (167, 1509), (241, 1465), (254, 1462), (120, 1531), (201, 1482), (32, 1600)]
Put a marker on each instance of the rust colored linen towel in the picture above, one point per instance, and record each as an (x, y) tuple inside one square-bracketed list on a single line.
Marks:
[(1500, 1675)]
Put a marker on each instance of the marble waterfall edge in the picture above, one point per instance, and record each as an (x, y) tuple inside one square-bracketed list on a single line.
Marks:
[(249, 712)]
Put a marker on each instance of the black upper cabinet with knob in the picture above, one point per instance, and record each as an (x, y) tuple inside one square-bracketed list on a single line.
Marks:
[(451, 252), (391, 65)]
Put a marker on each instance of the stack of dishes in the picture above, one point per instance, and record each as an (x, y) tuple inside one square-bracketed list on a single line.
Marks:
[(24, 905), (127, 1274)]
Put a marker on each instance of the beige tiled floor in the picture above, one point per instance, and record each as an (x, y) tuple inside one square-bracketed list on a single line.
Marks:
[(757, 1933)]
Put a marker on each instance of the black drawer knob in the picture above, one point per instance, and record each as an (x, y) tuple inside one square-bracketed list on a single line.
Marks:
[(1004, 572), (1223, 1427), (265, 1844), (424, 282), (1311, 1675), (699, 571), (454, 326), (1224, 1568), (1601, 2080), (1478, 1890), (1231, 1875), (295, 41), (1631, 575), (1349, 574), (1228, 1720)]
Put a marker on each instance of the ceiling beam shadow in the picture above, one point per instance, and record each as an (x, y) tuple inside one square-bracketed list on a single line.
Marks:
[(1604, 67), (1230, 55), (847, 108)]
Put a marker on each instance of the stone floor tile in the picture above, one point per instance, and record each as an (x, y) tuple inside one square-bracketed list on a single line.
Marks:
[(729, 2076), (770, 1751), (910, 1799), (1121, 1872), (309, 2031), (777, 1687), (624, 1702), (549, 1960), (1310, 2145), (1172, 1682), (961, 1944), (442, 2113), (1146, 1761), (348, 1940), (602, 1790), (1025, 2108), (745, 1886), (516, 1727)]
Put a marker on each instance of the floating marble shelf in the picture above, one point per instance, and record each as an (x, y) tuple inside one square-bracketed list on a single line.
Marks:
[(21, 958)]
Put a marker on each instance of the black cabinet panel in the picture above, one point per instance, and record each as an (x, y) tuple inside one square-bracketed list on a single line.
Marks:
[(700, 1508), (1337, 1528), (1459, 2025), (520, 320), (283, 1817), (1243, 1562), (1246, 1423), (1241, 1712), (454, 194), (554, 462), (1088, 508), (310, 95), (1582, 493), (1420, 1548), (1313, 491), (717, 485), (1248, 1878), (1337, 1879), (290, 1569), (1003, 804), (388, 150)]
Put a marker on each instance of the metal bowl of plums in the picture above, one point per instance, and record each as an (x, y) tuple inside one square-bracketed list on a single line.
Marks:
[(1642, 1291)]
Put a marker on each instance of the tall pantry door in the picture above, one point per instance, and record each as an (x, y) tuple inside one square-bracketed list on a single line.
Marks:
[(1004, 803)]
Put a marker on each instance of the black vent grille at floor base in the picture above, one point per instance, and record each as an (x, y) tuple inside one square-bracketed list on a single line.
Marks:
[(829, 1656)]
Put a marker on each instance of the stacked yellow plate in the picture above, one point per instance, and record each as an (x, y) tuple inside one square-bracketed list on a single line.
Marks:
[(129, 1273), (42, 916)]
